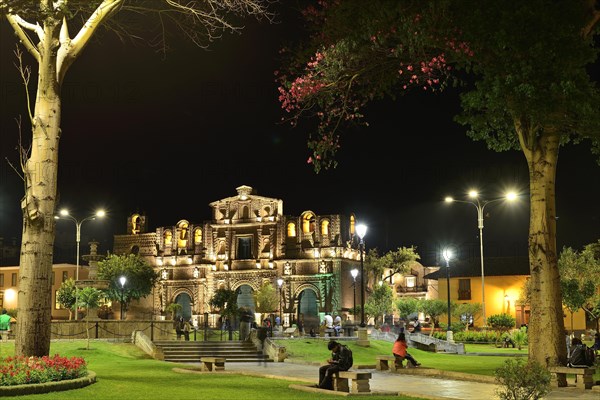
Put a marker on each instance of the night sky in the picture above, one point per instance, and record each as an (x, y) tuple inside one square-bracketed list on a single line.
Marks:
[(166, 137)]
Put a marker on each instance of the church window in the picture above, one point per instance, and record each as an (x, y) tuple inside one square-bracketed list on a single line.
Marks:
[(291, 229)]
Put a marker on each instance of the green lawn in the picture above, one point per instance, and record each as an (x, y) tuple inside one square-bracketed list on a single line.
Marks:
[(125, 372)]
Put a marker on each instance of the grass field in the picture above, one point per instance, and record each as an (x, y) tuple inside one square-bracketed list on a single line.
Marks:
[(125, 372)]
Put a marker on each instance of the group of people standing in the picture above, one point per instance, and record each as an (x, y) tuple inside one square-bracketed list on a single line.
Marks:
[(182, 327)]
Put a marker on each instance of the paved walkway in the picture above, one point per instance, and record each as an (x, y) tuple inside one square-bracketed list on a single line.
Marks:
[(410, 385)]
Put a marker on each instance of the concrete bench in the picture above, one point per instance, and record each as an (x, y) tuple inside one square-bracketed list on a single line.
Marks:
[(392, 363), (360, 381), (584, 377), (213, 363)]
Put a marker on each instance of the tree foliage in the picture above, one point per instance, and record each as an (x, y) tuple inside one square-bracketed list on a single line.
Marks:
[(580, 278), (434, 308), (265, 298), (391, 263), (66, 295), (140, 276), (379, 302), (89, 298), (226, 301), (406, 306)]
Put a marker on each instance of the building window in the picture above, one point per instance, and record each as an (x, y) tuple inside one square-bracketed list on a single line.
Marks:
[(56, 303), (325, 227), (1, 280), (198, 236), (308, 223), (65, 276), (1, 299), (13, 280), (410, 281), (291, 230), (244, 248), (352, 225), (464, 289), (168, 238)]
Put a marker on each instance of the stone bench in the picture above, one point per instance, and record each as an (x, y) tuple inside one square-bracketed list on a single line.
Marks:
[(584, 377), (213, 363), (385, 362), (360, 381)]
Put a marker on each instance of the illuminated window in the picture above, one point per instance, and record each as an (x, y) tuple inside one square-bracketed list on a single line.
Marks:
[(291, 230), (464, 289), (135, 224), (13, 280), (65, 276), (1, 280), (197, 236), (352, 225), (57, 305), (308, 223), (325, 227), (411, 281), (168, 238)]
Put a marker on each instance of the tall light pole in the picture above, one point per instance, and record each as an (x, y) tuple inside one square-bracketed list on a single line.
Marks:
[(480, 205), (64, 213), (361, 231), (447, 254), (354, 274), (280, 285), (122, 280)]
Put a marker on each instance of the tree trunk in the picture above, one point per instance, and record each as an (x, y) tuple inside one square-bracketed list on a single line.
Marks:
[(546, 329), (40, 170)]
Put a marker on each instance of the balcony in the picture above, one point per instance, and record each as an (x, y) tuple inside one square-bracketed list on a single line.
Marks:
[(413, 289)]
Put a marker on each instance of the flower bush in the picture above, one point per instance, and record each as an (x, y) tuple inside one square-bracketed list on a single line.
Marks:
[(25, 370)]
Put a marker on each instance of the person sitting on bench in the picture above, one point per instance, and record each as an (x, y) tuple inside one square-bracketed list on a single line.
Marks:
[(400, 351), (341, 360)]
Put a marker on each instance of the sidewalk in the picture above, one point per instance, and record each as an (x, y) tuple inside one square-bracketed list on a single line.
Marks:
[(410, 385)]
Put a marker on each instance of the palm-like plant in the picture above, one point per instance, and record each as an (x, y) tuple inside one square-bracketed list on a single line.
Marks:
[(89, 298), (174, 308)]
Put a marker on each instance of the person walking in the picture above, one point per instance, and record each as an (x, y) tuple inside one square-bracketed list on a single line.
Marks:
[(245, 321), (4, 325), (178, 325), (341, 360), (400, 351)]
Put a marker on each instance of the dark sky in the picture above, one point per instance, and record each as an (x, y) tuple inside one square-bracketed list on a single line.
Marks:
[(167, 137)]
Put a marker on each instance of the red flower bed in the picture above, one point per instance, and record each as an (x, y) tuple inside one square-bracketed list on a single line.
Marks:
[(24, 370)]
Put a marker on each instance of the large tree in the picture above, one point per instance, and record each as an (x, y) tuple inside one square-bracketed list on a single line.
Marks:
[(43, 28), (527, 87)]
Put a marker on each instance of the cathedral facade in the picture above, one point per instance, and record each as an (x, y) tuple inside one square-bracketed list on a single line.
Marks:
[(306, 257)]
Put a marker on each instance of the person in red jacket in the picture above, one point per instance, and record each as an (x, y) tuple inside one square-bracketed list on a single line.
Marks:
[(400, 351)]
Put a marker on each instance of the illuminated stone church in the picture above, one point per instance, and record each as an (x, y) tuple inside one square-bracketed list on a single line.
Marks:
[(248, 241)]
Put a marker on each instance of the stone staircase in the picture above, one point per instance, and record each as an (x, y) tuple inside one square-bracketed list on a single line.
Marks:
[(190, 352)]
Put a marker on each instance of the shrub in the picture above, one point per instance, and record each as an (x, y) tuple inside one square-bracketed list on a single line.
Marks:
[(521, 380), (26, 370)]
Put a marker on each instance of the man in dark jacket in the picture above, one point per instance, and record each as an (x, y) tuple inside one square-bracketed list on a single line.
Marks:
[(341, 360)]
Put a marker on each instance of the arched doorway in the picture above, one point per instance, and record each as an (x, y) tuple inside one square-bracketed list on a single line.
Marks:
[(308, 308), (245, 297), (184, 300)]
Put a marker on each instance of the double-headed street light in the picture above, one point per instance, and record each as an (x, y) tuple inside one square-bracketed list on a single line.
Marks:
[(354, 274), (64, 213), (122, 280), (480, 205), (447, 254), (361, 231)]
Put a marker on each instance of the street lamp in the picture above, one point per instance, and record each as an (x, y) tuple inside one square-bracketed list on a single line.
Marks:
[(280, 284), (361, 231), (354, 274), (122, 280), (64, 213), (480, 205), (447, 254)]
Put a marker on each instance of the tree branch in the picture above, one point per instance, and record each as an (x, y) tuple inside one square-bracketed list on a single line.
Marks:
[(23, 37), (594, 20)]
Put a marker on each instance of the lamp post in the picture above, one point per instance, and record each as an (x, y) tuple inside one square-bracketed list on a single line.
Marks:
[(122, 280), (354, 274), (447, 254), (361, 231), (64, 213), (280, 285), (480, 205)]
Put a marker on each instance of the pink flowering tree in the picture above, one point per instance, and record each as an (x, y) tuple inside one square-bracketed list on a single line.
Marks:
[(389, 50), (527, 64)]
